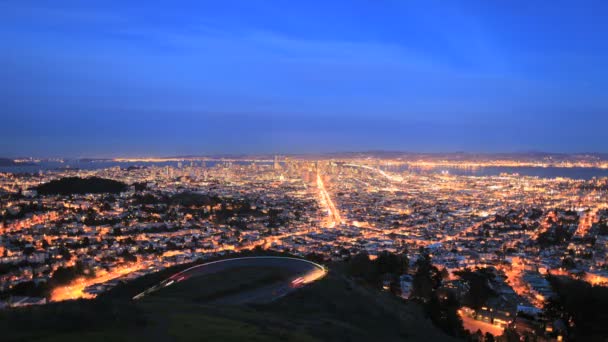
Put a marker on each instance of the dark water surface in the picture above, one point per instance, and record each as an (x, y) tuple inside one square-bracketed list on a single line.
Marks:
[(584, 173)]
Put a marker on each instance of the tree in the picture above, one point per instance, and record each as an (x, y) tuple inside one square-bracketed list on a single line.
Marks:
[(568, 263), (65, 253), (427, 277), (479, 288), (387, 262), (510, 335), (315, 257), (581, 303), (405, 261), (444, 314), (127, 256), (361, 266)]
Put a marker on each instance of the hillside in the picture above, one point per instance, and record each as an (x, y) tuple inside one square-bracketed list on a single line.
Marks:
[(334, 308), (77, 185)]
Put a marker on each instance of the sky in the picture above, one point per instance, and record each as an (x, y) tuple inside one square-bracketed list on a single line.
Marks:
[(160, 78)]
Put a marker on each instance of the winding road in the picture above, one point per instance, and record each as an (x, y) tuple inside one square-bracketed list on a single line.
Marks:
[(301, 271)]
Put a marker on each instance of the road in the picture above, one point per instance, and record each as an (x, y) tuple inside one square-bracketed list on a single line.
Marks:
[(302, 272), (75, 289), (391, 178), (333, 214), (472, 325)]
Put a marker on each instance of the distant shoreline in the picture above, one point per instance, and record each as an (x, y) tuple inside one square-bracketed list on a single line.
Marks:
[(380, 154), (12, 162)]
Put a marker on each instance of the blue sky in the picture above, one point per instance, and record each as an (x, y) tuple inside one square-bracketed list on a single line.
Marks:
[(127, 78)]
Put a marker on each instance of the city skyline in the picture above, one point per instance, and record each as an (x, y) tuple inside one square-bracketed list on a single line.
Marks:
[(113, 79), (503, 238), (274, 170)]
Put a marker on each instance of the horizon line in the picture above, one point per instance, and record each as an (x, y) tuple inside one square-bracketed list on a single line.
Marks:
[(308, 154)]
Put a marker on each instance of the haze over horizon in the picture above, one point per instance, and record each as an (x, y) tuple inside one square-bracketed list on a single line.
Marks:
[(116, 79), (337, 154)]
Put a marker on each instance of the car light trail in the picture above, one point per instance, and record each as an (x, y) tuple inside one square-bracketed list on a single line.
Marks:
[(315, 272), (333, 213)]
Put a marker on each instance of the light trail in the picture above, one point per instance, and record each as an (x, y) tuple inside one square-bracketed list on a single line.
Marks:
[(381, 172), (590, 278), (586, 221), (317, 272), (545, 225), (514, 273), (333, 213), (75, 289)]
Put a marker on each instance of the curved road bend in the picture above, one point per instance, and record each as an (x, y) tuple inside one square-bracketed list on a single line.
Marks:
[(303, 272)]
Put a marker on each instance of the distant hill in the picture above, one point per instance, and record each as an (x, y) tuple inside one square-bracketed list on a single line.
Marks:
[(77, 185), (468, 156), (12, 162), (93, 160), (405, 155), (336, 308), (7, 162)]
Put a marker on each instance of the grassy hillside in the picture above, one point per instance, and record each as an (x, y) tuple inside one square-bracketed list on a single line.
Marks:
[(223, 284), (334, 308)]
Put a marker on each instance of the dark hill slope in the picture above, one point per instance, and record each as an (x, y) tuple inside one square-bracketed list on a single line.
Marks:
[(332, 309)]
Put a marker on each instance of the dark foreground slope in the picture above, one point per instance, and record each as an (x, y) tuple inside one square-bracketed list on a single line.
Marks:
[(333, 308)]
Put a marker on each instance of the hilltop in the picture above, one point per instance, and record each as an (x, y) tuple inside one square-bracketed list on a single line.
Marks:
[(335, 308), (77, 185)]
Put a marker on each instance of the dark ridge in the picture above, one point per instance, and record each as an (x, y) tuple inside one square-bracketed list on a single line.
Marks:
[(77, 185)]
